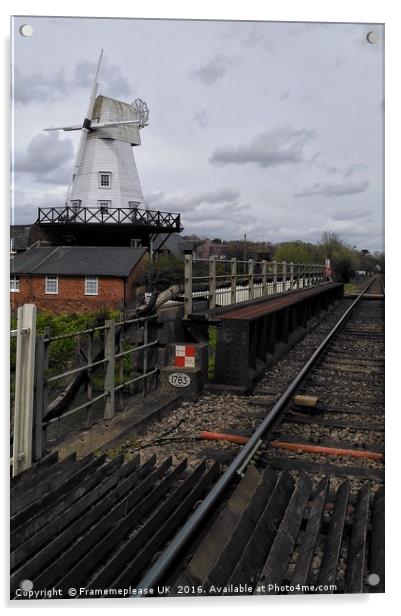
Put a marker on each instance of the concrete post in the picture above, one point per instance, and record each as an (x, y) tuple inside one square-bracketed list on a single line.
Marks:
[(264, 278), (188, 285), (233, 281), (24, 388), (291, 276), (212, 282), (109, 379), (250, 279)]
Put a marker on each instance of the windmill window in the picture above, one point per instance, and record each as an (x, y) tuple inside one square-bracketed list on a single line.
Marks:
[(104, 206), (14, 284), (51, 287), (76, 205), (104, 179), (91, 285)]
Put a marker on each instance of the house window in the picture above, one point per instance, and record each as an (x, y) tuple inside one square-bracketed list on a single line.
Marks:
[(91, 285), (104, 206), (133, 205), (51, 285), (14, 284), (104, 179)]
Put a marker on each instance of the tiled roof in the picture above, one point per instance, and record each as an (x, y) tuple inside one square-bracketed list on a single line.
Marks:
[(78, 260)]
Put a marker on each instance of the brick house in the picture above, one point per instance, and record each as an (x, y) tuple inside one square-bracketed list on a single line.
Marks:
[(77, 279)]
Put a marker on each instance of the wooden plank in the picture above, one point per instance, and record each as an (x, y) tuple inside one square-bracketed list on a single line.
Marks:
[(207, 553), (35, 470), (335, 423), (102, 497), (357, 548), (276, 563), (304, 560), (131, 546), (328, 569), (118, 519), (105, 536), (228, 557), (78, 473), (255, 552), (377, 543), (50, 513), (323, 468), (26, 497), (165, 533)]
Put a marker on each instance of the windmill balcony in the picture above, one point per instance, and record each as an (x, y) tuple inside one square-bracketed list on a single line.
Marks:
[(155, 220)]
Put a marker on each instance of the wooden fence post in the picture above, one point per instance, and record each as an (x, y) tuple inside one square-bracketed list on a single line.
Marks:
[(212, 282), (40, 397), (274, 277), (284, 277), (250, 279), (109, 379), (188, 285), (233, 277), (264, 278)]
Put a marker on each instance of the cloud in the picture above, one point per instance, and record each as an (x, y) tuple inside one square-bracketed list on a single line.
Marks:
[(110, 75), (41, 87), (185, 200), (214, 70), (48, 158), (201, 117), (350, 215), (26, 206), (208, 212), (354, 168), (269, 149), (334, 190), (256, 38)]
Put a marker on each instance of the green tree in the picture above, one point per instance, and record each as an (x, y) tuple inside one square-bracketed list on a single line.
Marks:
[(163, 272), (294, 252), (344, 259)]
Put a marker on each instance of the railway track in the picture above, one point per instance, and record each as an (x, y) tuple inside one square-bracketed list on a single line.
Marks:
[(298, 508), (311, 525)]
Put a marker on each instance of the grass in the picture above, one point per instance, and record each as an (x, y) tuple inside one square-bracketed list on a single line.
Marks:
[(350, 287)]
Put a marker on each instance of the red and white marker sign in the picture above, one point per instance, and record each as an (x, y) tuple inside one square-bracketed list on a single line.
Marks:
[(185, 356)]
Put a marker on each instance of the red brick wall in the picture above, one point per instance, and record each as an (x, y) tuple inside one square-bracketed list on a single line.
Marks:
[(135, 280), (71, 294)]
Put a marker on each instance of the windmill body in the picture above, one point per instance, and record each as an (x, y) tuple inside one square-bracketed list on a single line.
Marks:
[(105, 174)]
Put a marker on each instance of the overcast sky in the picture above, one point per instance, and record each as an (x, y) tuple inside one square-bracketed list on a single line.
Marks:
[(269, 129)]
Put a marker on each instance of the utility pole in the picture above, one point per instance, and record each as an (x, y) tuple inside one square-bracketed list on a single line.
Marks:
[(244, 246)]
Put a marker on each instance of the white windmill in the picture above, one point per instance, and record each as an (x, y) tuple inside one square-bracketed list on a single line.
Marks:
[(105, 173)]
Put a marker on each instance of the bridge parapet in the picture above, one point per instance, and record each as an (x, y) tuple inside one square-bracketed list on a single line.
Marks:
[(225, 282)]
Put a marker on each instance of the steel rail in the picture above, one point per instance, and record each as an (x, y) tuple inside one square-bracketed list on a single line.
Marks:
[(161, 566)]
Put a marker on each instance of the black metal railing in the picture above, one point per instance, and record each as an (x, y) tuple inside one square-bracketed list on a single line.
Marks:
[(121, 215)]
